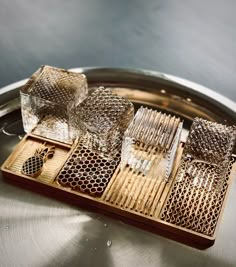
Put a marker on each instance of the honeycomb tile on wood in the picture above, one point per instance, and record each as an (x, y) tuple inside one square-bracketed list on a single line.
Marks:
[(87, 171)]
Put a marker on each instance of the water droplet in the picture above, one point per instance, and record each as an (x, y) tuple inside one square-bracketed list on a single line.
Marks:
[(163, 91), (105, 225), (109, 243), (87, 239), (7, 226), (95, 248)]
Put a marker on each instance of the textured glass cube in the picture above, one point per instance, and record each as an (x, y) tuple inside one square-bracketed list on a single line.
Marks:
[(102, 118), (150, 143), (207, 154), (211, 142), (46, 101)]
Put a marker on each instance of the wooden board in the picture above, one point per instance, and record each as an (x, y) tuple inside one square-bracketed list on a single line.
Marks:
[(144, 209)]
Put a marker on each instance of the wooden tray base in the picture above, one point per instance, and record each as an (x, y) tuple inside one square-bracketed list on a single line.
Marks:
[(148, 217)]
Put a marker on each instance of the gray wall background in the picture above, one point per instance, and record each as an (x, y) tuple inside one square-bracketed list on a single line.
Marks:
[(188, 38)]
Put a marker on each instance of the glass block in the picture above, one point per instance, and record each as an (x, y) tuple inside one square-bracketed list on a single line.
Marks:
[(207, 154), (102, 118), (46, 101), (211, 142), (150, 143)]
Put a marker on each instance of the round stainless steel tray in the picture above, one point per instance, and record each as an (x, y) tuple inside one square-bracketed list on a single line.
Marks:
[(38, 231)]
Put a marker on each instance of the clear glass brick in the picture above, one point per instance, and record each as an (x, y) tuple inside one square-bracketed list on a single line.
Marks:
[(207, 153), (102, 119), (150, 143), (46, 101)]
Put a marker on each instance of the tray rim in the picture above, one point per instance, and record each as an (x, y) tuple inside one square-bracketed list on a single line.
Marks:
[(9, 93)]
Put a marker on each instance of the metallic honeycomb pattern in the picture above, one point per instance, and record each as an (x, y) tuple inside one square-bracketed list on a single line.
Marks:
[(210, 141), (191, 204), (57, 85), (87, 171), (102, 117)]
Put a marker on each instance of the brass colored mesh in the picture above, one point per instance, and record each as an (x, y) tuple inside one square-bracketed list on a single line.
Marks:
[(87, 171), (193, 205)]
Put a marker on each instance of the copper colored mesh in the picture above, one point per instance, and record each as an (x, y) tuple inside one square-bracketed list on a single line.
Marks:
[(196, 198), (87, 171), (194, 206)]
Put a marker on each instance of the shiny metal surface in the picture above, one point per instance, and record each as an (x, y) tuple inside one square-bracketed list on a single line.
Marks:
[(39, 231)]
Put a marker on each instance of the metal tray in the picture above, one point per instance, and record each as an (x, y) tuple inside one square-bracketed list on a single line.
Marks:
[(21, 218)]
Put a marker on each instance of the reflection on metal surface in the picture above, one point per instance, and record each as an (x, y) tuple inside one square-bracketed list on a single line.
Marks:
[(13, 128), (10, 106)]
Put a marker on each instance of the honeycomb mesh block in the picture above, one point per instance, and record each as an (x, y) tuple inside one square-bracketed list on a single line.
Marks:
[(87, 171), (102, 118)]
